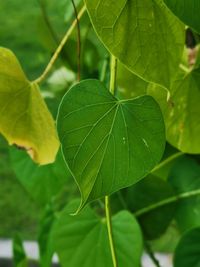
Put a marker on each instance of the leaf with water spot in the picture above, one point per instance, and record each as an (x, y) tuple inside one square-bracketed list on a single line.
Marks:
[(108, 143)]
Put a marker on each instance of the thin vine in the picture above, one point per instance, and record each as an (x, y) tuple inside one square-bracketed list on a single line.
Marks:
[(60, 47), (151, 254), (167, 201), (113, 73), (78, 42), (110, 232)]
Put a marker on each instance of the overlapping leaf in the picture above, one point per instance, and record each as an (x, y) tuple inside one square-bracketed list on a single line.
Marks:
[(108, 143), (24, 118), (144, 35)]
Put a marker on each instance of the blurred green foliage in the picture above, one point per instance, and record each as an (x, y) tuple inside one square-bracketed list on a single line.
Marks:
[(18, 212)]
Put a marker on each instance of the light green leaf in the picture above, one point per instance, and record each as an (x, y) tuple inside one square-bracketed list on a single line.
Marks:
[(82, 240), (24, 118), (126, 80), (187, 253), (182, 111), (186, 10), (144, 36), (185, 178), (42, 182), (108, 143)]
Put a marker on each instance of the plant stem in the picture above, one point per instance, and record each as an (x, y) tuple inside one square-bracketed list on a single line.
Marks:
[(113, 74), (167, 201), (113, 70), (168, 160), (110, 233), (78, 42), (60, 47), (151, 254)]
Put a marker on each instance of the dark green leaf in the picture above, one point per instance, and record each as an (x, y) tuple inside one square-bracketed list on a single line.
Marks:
[(187, 253), (187, 11), (108, 143), (145, 193), (185, 178)]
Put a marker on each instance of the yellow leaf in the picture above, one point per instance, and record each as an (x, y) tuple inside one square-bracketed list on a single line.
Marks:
[(24, 117)]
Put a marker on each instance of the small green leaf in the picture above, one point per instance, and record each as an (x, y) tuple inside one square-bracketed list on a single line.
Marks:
[(144, 194), (42, 182), (187, 253), (185, 178), (187, 11), (144, 36), (24, 117), (181, 111), (19, 254), (108, 143), (82, 240)]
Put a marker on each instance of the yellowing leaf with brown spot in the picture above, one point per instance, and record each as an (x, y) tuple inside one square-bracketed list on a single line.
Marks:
[(24, 117)]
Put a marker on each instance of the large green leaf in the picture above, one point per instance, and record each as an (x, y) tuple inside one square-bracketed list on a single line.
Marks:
[(24, 118), (185, 178), (129, 84), (187, 11), (145, 36), (182, 111), (108, 143), (187, 253), (83, 240), (42, 182), (146, 193)]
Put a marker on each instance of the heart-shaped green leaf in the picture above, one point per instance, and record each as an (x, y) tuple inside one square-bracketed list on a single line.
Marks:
[(24, 117), (187, 11), (108, 143), (83, 240), (143, 35)]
